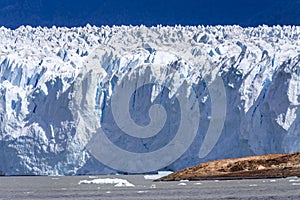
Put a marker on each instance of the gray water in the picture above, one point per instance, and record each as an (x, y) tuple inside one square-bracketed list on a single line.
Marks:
[(68, 188)]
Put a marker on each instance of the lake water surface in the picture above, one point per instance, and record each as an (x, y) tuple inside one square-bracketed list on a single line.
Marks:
[(42, 187)]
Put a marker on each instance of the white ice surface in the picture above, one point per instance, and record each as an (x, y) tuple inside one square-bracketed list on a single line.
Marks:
[(117, 182), (42, 132), (158, 175)]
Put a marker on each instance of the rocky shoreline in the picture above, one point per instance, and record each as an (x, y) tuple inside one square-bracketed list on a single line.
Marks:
[(266, 166)]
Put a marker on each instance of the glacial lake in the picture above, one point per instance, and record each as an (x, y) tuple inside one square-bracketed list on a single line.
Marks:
[(137, 187)]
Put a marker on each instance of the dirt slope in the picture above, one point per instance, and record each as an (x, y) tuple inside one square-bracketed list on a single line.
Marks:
[(266, 166)]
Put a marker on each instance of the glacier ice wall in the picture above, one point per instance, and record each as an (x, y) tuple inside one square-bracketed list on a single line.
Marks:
[(56, 86)]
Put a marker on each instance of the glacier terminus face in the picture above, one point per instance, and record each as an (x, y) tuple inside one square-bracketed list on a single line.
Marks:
[(136, 99)]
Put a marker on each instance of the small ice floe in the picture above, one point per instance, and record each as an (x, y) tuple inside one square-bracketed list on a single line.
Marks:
[(292, 177), (197, 183), (116, 181), (141, 192), (153, 186), (157, 176), (273, 181), (93, 177), (294, 180), (28, 192), (184, 181), (253, 185), (296, 184), (181, 183), (108, 192), (124, 184)]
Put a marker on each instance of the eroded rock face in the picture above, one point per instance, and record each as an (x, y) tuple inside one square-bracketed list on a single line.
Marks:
[(266, 166), (52, 101)]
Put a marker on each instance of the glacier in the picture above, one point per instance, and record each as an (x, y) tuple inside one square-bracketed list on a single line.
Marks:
[(57, 86)]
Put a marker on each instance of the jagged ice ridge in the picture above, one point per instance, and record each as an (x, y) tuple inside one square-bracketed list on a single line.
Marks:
[(42, 133)]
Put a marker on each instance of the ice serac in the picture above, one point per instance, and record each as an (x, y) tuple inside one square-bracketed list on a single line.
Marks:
[(56, 88)]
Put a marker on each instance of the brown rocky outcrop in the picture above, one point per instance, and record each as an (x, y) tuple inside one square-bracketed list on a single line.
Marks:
[(266, 166)]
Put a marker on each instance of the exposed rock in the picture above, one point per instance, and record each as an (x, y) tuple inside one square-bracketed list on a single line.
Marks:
[(266, 166)]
